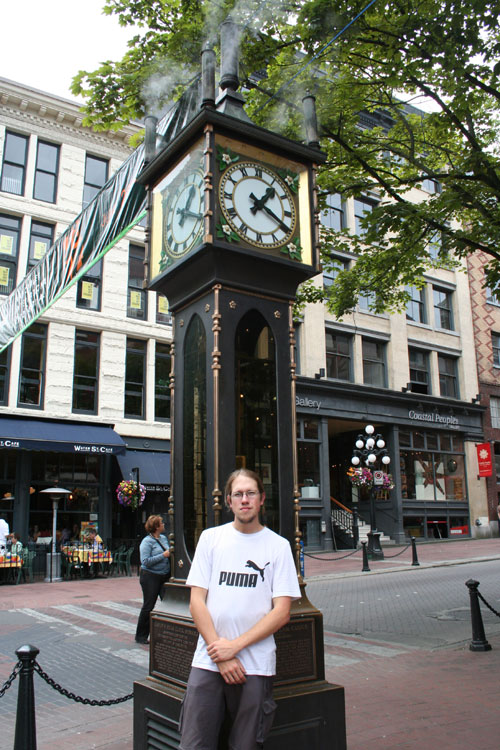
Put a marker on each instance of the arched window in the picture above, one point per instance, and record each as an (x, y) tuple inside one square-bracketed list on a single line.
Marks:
[(256, 407), (194, 433)]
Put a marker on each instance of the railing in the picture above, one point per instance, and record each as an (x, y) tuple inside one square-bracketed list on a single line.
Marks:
[(344, 521)]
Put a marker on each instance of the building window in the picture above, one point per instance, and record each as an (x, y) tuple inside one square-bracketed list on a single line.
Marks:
[(495, 412), (415, 307), (366, 301), (15, 156), (86, 372), (495, 345), (10, 229), (448, 382), (41, 238), (96, 175), (4, 375), (431, 186), (362, 207), (135, 379), (419, 371), (136, 295), (374, 362), (333, 217), (443, 316), (88, 294), (162, 381), (338, 356), (162, 313), (32, 375), (47, 167), (329, 276), (435, 246), (492, 296)]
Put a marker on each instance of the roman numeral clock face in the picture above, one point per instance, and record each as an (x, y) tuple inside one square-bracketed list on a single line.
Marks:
[(183, 215), (257, 204)]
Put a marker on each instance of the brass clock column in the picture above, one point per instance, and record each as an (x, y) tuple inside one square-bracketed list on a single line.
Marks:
[(232, 233)]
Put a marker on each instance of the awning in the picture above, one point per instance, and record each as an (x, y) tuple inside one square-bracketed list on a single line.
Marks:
[(154, 468), (66, 437)]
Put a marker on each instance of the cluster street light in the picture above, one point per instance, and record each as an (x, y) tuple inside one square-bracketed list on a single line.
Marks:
[(368, 448)]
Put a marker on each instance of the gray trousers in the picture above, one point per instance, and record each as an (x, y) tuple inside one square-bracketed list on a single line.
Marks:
[(250, 707)]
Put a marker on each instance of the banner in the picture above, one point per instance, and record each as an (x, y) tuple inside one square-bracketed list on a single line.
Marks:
[(116, 208), (484, 461)]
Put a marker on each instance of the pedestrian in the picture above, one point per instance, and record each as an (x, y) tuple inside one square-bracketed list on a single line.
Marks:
[(4, 533), (243, 580), (155, 571), (16, 547)]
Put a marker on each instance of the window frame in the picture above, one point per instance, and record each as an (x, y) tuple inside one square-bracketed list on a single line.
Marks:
[(448, 377), (32, 261), (359, 231), (439, 308), (162, 356), (136, 254), (93, 276), (94, 379), (39, 171), (382, 361), (140, 350), (417, 302), (337, 211), (8, 260), (36, 332), (339, 356), (495, 348), (19, 165), (495, 412), (426, 369), (90, 189)]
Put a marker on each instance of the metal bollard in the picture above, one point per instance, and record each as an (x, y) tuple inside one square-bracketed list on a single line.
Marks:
[(25, 737), (355, 528), (479, 642), (366, 567), (414, 557)]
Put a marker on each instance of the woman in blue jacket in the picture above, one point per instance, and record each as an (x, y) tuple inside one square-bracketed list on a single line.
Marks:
[(155, 571)]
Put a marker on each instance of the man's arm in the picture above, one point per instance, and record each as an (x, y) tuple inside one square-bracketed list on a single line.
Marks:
[(230, 668), (221, 649)]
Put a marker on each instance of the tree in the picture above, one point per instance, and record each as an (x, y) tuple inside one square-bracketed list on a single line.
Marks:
[(443, 52)]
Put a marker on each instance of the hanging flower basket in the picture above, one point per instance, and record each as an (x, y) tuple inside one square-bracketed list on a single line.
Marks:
[(363, 477), (130, 495)]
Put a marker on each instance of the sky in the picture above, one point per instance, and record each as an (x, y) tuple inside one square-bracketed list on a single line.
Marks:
[(46, 42)]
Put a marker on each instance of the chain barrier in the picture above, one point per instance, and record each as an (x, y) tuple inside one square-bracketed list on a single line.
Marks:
[(11, 679), (387, 557), (488, 605), (331, 559), (78, 698)]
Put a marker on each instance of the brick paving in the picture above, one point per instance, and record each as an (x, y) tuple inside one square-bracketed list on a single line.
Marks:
[(401, 692)]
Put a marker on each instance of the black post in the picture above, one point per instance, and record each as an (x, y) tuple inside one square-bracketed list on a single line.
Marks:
[(355, 528), (25, 737), (479, 642), (414, 557), (366, 567)]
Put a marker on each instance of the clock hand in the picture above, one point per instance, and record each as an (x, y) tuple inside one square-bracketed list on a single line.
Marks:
[(184, 211), (258, 203), (280, 223)]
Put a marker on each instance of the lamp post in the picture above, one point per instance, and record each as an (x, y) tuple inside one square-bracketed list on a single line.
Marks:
[(369, 448), (53, 572)]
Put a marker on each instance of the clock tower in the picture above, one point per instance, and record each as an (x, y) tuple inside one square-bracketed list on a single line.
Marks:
[(232, 232)]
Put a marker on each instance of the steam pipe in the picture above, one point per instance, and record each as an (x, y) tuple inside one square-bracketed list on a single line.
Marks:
[(207, 76), (150, 138), (310, 119), (229, 45)]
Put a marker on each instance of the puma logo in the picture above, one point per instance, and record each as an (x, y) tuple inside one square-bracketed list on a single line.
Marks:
[(251, 564)]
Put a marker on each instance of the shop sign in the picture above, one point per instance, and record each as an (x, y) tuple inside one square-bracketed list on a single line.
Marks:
[(484, 461), (308, 402), (157, 487), (101, 449), (9, 444), (433, 417)]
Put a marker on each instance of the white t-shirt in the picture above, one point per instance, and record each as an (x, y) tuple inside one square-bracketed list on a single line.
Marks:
[(4, 532), (242, 573)]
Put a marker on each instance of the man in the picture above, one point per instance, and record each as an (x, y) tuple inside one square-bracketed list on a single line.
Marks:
[(242, 580)]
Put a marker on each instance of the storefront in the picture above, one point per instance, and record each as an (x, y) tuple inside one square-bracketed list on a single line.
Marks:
[(431, 443), (36, 454)]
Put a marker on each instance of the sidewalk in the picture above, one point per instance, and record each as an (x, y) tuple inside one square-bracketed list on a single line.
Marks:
[(430, 554), (397, 698)]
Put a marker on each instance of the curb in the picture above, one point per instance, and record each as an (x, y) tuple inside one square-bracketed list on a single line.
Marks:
[(422, 566)]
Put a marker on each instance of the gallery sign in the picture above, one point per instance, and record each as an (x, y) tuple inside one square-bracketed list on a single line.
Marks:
[(484, 462)]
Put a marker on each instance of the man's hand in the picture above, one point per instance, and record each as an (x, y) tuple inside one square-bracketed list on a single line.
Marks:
[(221, 650), (232, 671)]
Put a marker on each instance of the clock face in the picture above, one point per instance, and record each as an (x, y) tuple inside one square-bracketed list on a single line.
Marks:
[(257, 204), (182, 215)]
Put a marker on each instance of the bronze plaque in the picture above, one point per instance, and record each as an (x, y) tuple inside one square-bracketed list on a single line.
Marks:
[(172, 647), (296, 652)]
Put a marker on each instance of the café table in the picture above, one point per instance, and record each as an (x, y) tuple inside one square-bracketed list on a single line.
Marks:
[(92, 559), (10, 564)]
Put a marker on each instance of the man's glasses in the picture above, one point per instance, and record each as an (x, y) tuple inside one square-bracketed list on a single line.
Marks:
[(252, 494)]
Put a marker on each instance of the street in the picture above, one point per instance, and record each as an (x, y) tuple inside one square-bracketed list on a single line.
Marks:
[(397, 642)]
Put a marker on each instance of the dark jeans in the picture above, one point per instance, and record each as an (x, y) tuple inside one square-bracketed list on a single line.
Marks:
[(151, 584)]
